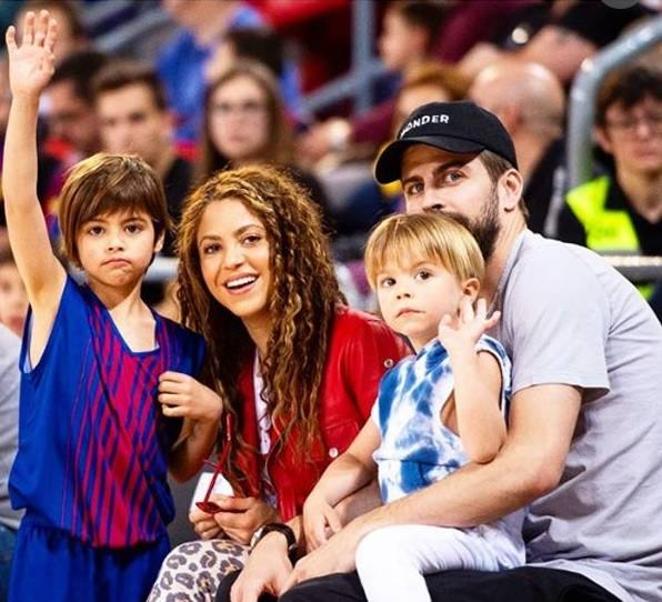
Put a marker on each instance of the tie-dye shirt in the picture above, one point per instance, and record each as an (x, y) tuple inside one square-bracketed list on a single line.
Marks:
[(416, 448)]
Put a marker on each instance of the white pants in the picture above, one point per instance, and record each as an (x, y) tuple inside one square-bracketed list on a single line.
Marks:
[(391, 561)]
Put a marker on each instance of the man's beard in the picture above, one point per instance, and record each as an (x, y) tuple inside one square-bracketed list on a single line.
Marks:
[(486, 227)]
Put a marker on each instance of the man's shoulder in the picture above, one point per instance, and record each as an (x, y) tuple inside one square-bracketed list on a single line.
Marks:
[(549, 276), (542, 257)]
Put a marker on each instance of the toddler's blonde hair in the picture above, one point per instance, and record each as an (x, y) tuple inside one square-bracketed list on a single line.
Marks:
[(408, 239)]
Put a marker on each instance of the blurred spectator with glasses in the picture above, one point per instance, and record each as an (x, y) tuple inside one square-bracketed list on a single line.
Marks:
[(181, 62), (622, 211), (245, 123)]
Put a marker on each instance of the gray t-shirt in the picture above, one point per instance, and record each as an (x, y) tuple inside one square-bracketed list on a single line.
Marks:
[(10, 346), (569, 318)]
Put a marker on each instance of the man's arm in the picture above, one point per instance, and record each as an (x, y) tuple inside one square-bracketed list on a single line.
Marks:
[(530, 464)]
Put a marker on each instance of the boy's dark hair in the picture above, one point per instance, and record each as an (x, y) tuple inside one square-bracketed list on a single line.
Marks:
[(104, 184), (419, 13), (628, 86), (118, 74), (80, 68), (67, 8), (258, 44)]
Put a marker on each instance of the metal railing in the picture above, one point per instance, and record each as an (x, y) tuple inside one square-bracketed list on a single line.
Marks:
[(635, 268), (365, 67)]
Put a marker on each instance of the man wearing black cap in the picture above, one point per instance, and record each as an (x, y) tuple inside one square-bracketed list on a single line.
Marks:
[(585, 431)]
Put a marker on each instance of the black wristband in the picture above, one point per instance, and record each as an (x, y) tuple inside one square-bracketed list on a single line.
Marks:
[(287, 531)]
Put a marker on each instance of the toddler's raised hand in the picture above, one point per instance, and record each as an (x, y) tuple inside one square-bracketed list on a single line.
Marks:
[(32, 64), (464, 330)]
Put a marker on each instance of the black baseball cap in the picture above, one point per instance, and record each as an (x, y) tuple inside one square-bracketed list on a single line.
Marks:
[(457, 127)]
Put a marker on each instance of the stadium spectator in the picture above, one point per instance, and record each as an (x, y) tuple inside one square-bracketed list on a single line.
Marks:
[(70, 113), (133, 118), (427, 82), (245, 122), (622, 211), (181, 63), (572, 32), (50, 171), (470, 22), (530, 102), (409, 30), (94, 349)]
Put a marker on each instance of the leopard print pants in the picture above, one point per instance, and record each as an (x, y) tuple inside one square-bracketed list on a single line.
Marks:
[(193, 571)]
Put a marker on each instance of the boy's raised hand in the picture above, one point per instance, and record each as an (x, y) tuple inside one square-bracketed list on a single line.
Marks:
[(32, 64), (465, 329)]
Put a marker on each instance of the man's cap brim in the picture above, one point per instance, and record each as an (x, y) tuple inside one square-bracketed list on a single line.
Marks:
[(389, 163)]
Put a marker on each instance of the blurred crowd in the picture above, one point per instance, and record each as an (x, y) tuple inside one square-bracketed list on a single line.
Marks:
[(228, 88)]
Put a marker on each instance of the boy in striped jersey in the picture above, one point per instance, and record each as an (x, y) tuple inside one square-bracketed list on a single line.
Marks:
[(94, 444)]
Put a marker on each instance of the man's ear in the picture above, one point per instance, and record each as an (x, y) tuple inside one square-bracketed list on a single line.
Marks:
[(601, 136), (510, 187)]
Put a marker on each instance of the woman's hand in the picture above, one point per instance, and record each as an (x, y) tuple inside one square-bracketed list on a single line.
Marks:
[(32, 64), (182, 395), (266, 570), (240, 517), (204, 524), (320, 521)]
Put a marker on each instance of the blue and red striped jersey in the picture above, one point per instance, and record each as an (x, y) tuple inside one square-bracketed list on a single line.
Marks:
[(93, 443)]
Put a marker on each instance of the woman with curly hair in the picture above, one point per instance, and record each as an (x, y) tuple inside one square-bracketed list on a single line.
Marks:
[(297, 369)]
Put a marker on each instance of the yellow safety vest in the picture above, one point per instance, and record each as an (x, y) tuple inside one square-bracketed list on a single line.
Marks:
[(607, 230)]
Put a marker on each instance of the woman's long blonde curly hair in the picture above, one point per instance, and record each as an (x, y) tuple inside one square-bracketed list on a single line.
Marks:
[(303, 297)]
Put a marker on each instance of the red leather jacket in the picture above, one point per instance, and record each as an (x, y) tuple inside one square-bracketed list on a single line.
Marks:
[(361, 349)]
